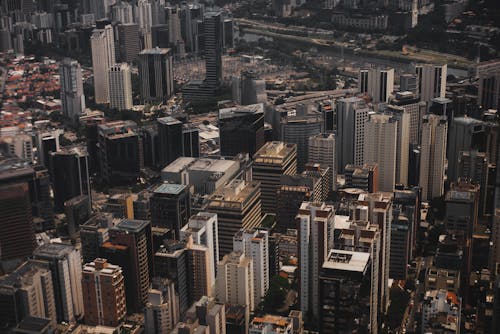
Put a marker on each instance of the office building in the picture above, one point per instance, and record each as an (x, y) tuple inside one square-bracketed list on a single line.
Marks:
[(352, 116), (348, 287), (120, 152), (212, 24), (433, 156), (156, 74), (439, 278), (314, 222), (69, 172), (17, 235), (93, 233), (208, 313), (203, 229), (488, 73), (120, 87), (169, 139), (475, 166), (237, 319), (431, 81), (380, 148), (400, 247), (205, 175), (201, 267), (120, 206), (27, 292), (238, 206), (144, 15), (170, 261), (65, 265), (103, 288), (271, 161), (409, 103), (128, 40), (466, 134), (241, 129), (234, 284), (130, 247), (288, 201), (402, 142), (161, 312), (20, 145), (494, 261), (190, 141), (362, 177), (102, 43), (122, 12), (77, 212), (321, 150), (462, 202), (249, 89), (72, 97), (441, 312), (377, 83), (408, 83), (170, 207), (255, 244)]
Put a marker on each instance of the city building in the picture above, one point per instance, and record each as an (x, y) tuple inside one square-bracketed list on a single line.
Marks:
[(238, 206), (403, 119), (352, 116), (65, 264), (363, 177), (271, 324), (408, 103), (431, 81), (408, 83), (234, 284), (314, 222), (255, 245), (130, 246), (27, 292), (271, 161), (77, 212), (401, 232), (103, 289), (474, 165), (128, 40), (208, 313), (72, 97), (161, 312), (169, 139), (442, 279), (495, 245), (348, 293), (120, 205), (170, 207), (120, 87), (205, 175), (249, 89), (488, 73), (377, 83), (213, 35), (380, 147), (102, 44), (156, 74), (120, 152), (441, 312), (433, 156), (69, 172), (321, 150), (241, 129)]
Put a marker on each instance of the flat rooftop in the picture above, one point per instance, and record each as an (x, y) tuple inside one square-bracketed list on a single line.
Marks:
[(131, 225), (347, 261), (241, 111), (168, 120), (156, 51), (275, 149), (170, 189)]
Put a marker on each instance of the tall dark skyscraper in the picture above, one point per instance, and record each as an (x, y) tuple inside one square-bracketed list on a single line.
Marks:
[(241, 129), (157, 74), (170, 207), (213, 48), (170, 139), (70, 177)]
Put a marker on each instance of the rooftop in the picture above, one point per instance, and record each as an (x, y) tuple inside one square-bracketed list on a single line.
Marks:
[(241, 111), (53, 250), (170, 188), (275, 149), (168, 120), (347, 261), (156, 51), (130, 225)]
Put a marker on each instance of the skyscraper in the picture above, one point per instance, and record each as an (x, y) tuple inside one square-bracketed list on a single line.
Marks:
[(249, 89), (314, 221), (129, 44), (156, 74), (213, 48), (255, 245), (103, 56), (237, 206), (433, 156), (70, 175), (488, 73), (120, 87), (403, 119), (72, 97), (431, 81), (241, 129), (322, 151), (65, 264), (161, 313), (170, 207), (412, 105), (271, 161), (170, 139), (103, 290), (352, 116), (380, 148), (235, 283), (377, 83)]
